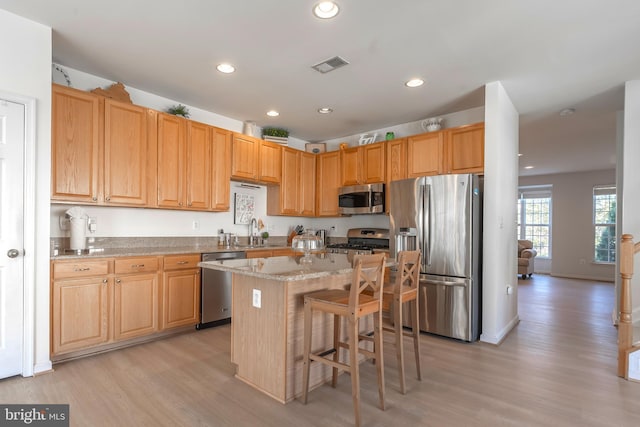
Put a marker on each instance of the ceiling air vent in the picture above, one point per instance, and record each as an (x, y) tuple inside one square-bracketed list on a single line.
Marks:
[(330, 64)]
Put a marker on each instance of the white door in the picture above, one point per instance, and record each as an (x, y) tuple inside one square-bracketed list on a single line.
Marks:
[(12, 142)]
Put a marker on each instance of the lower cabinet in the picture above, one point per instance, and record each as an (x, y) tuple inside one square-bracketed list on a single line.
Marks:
[(181, 291), (135, 302), (80, 314), (98, 303)]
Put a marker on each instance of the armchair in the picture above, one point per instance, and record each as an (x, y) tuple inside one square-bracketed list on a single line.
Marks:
[(526, 256)]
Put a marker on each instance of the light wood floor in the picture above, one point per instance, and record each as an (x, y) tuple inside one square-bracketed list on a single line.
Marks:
[(557, 368)]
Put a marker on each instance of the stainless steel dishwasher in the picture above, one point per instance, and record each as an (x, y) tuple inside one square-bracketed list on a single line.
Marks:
[(215, 296)]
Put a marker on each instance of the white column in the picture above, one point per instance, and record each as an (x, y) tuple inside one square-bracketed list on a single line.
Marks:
[(499, 271)]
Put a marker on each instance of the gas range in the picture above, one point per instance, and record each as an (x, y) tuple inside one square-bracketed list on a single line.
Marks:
[(362, 241)]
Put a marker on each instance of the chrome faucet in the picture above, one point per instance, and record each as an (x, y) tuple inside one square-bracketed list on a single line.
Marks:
[(252, 226)]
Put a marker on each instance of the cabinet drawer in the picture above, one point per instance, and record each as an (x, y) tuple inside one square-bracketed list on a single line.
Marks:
[(136, 265), (80, 268), (179, 262)]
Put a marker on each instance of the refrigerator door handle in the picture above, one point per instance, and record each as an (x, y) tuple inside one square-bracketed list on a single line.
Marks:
[(443, 282), (426, 225)]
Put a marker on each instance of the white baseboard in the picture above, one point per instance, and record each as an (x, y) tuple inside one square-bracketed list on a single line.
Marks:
[(502, 334), (576, 276), (42, 367)]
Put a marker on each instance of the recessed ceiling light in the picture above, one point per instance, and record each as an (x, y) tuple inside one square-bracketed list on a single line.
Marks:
[(273, 113), (414, 83), (528, 167), (326, 9), (519, 154), (226, 68), (567, 111), (325, 110)]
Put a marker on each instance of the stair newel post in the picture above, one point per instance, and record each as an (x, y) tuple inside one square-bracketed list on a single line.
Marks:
[(625, 330)]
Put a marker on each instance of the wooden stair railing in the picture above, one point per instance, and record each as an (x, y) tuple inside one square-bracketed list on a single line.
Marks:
[(625, 325)]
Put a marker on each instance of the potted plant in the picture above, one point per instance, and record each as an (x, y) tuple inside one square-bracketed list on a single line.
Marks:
[(179, 110), (278, 135)]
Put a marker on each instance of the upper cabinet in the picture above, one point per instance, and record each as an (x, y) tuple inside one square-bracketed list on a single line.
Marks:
[(295, 196), (75, 145), (364, 164), (424, 154), (270, 162), (255, 160), (101, 152), (328, 182), (455, 150), (464, 149), (244, 157), (129, 156), (184, 163), (221, 169)]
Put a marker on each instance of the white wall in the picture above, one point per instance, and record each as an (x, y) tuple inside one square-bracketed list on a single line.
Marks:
[(572, 223), (630, 223), (499, 309), (25, 52)]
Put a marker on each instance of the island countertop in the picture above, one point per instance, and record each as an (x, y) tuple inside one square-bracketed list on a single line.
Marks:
[(285, 268)]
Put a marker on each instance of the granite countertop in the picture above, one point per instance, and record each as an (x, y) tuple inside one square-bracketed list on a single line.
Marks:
[(287, 268), (160, 250)]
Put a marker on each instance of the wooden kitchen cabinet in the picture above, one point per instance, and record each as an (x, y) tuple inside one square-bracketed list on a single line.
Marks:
[(171, 160), (129, 156), (328, 182), (245, 153), (373, 163), (396, 159), (295, 195), (350, 164), (101, 152), (221, 169), (396, 165), (181, 291), (424, 154), (184, 163), (75, 145), (270, 162), (307, 196), (464, 149), (364, 164), (80, 294), (136, 287)]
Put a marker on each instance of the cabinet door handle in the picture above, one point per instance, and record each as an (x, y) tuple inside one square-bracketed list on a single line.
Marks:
[(104, 281), (118, 281), (108, 198), (137, 265), (81, 269), (95, 199), (182, 262)]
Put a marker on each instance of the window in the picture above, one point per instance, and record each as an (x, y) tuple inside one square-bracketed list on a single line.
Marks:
[(534, 218), (604, 223)]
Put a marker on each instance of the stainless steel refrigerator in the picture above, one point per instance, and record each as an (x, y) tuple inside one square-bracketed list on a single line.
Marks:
[(440, 215)]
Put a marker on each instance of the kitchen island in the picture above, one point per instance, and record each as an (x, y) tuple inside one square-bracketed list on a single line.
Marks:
[(268, 318)]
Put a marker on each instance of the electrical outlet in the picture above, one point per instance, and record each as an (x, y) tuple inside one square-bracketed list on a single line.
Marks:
[(257, 298), (509, 289), (65, 222), (93, 224), (196, 225)]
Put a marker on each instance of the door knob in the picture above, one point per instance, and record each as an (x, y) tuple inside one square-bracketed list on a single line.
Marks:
[(13, 253)]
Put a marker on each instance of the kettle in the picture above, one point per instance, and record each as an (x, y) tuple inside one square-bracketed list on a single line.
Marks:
[(323, 236)]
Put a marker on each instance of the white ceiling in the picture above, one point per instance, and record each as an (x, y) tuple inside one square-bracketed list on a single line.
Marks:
[(548, 54)]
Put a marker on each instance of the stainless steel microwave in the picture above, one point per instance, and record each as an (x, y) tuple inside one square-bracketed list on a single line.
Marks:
[(361, 199)]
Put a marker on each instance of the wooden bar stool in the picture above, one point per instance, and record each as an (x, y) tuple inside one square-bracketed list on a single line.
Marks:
[(368, 273), (402, 290)]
